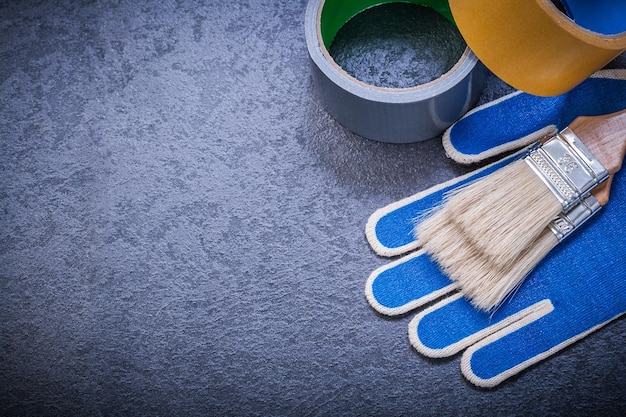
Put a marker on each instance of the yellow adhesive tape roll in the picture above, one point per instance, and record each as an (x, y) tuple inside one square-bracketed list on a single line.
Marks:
[(536, 48)]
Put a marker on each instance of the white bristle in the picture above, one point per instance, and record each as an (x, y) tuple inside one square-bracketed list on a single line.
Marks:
[(488, 289), (447, 245), (500, 214), (485, 283)]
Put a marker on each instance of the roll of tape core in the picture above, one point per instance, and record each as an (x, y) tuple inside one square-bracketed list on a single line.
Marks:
[(535, 47), (397, 115)]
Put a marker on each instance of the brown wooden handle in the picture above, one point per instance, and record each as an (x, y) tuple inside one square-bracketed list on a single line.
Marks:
[(602, 192), (605, 136)]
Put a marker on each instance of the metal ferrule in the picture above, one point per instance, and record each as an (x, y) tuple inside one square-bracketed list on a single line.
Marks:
[(567, 222), (567, 167)]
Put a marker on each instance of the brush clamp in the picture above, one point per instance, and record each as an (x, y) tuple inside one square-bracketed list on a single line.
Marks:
[(566, 223), (567, 167)]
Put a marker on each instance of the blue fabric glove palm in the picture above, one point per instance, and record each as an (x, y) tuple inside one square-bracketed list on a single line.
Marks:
[(519, 119), (577, 289)]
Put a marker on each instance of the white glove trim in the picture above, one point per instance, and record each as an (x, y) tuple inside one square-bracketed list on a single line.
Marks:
[(489, 333), (466, 367), (395, 311)]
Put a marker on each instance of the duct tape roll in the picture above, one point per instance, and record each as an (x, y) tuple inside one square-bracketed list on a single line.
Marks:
[(397, 115), (537, 48)]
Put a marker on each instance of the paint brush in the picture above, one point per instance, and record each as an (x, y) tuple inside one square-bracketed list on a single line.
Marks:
[(489, 248), (487, 284)]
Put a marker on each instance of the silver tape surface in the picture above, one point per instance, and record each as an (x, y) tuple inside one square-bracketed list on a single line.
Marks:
[(390, 114)]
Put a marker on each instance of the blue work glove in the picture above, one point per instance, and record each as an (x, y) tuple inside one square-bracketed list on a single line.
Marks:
[(519, 119), (577, 289)]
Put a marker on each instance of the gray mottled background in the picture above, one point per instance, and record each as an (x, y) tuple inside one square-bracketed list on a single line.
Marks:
[(181, 230)]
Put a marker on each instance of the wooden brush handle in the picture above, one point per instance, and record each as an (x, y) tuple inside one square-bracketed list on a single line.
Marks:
[(602, 192), (605, 136)]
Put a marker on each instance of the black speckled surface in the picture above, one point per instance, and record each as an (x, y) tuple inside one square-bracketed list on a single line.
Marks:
[(397, 45), (181, 230)]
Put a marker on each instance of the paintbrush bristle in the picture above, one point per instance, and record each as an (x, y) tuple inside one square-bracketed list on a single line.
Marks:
[(488, 285), (485, 283), (500, 214)]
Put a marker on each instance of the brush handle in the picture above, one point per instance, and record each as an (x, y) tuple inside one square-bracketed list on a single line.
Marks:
[(605, 137), (603, 191)]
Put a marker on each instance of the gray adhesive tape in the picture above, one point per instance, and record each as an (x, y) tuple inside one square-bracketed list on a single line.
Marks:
[(396, 115)]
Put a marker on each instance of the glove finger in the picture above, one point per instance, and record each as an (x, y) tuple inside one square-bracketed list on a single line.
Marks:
[(519, 119), (406, 284), (515, 348), (390, 230), (454, 324)]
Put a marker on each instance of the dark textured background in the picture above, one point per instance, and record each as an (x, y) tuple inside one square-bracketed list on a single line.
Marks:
[(182, 230)]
